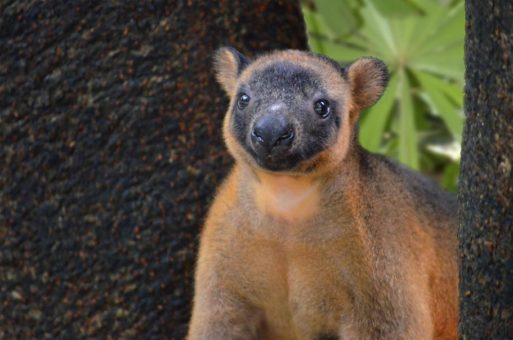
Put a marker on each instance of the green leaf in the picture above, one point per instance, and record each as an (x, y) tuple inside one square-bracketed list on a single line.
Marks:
[(342, 53), (377, 30), (454, 91), (441, 31), (424, 28), (358, 40), (337, 15), (403, 31), (450, 177), (374, 120), (408, 153), (448, 63), (450, 114), (316, 29), (396, 8), (428, 6)]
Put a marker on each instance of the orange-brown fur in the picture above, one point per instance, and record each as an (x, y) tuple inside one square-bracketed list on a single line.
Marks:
[(360, 247)]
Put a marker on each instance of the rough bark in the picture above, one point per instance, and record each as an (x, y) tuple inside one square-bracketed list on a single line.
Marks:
[(110, 149), (486, 180)]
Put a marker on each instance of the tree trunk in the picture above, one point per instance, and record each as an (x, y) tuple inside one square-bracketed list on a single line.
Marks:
[(486, 180), (110, 149)]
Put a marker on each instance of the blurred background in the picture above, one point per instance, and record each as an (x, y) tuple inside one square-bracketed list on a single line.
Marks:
[(419, 120)]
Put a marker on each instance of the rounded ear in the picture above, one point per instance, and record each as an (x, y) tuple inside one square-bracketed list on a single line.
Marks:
[(368, 78), (228, 64)]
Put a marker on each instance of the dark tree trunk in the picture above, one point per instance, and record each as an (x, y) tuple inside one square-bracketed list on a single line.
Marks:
[(486, 180), (110, 149)]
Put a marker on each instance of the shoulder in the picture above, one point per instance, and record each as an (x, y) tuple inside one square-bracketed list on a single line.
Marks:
[(425, 194), (225, 198)]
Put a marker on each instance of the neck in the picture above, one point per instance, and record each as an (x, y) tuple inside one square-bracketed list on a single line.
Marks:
[(288, 198), (296, 198)]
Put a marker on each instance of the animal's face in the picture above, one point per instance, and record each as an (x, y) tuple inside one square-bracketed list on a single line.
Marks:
[(283, 114), (293, 111)]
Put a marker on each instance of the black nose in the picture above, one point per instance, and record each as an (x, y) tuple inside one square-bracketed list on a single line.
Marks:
[(272, 130)]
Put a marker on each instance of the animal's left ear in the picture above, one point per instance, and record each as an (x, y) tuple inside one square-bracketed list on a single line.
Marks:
[(228, 64), (368, 78)]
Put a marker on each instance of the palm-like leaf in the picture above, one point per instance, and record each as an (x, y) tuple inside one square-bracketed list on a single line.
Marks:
[(422, 43)]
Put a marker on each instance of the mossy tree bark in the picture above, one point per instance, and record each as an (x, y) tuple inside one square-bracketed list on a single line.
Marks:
[(486, 179), (110, 149)]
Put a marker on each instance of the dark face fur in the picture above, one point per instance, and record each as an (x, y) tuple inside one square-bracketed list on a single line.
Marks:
[(282, 115), (289, 107)]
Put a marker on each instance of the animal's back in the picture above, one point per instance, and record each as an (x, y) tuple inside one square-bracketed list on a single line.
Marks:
[(432, 215)]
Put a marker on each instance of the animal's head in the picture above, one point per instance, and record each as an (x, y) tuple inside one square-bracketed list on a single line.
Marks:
[(292, 111)]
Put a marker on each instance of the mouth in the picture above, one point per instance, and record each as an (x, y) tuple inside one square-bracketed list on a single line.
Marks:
[(276, 162)]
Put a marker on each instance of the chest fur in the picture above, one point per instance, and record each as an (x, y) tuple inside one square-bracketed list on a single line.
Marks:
[(286, 198), (302, 289)]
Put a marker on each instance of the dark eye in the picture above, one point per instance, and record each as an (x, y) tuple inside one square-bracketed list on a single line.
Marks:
[(322, 108), (243, 101)]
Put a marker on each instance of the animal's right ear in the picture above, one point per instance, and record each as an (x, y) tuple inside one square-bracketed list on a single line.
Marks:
[(228, 64)]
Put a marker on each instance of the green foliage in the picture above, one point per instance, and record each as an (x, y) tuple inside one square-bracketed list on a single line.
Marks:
[(419, 120)]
